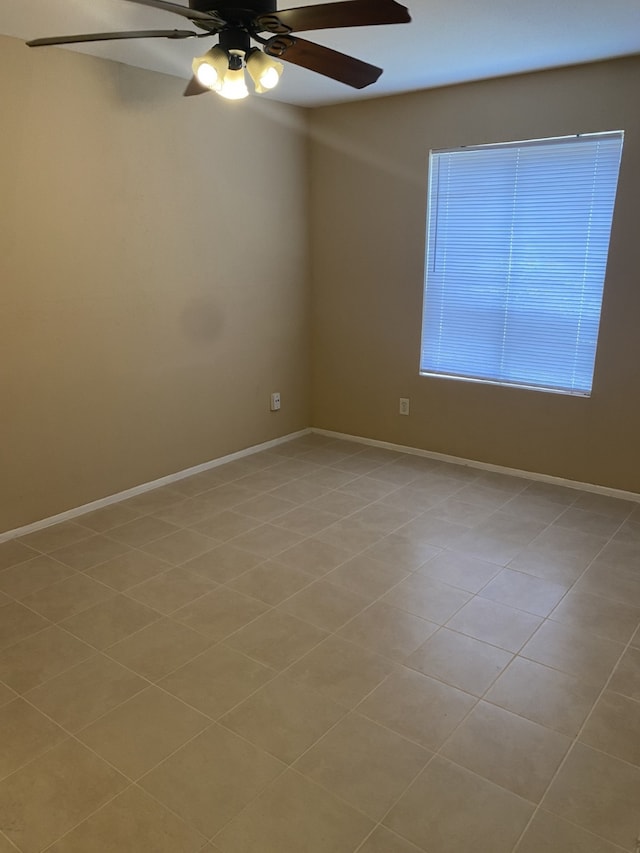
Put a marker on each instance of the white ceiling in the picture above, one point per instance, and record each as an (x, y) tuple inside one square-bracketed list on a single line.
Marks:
[(448, 41)]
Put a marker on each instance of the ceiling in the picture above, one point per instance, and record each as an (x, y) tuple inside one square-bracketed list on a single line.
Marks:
[(448, 41)]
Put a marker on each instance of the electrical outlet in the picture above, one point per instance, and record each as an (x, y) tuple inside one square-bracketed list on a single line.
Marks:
[(404, 405), (275, 401)]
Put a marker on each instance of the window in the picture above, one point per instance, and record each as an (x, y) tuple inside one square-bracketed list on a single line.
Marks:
[(517, 243)]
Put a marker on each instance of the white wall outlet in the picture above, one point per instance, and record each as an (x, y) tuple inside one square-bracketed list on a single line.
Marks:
[(275, 401), (404, 405)]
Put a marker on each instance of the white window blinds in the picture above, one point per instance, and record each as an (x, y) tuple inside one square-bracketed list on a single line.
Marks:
[(517, 244)]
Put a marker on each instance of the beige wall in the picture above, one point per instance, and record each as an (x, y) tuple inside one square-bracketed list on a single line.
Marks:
[(369, 182), (153, 278)]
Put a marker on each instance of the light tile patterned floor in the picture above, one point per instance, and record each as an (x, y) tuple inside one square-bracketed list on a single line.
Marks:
[(325, 648)]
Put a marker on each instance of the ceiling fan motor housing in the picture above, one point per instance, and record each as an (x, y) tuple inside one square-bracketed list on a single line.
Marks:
[(234, 38), (233, 7)]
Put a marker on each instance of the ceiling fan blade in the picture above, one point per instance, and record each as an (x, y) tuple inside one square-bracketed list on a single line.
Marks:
[(195, 88), (352, 13), (141, 34), (323, 60), (192, 14)]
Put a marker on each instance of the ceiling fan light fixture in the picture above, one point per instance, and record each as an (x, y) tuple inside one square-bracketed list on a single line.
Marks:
[(234, 87), (211, 68), (238, 22), (263, 70)]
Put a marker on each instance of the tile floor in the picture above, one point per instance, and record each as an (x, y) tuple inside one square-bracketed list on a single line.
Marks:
[(325, 648)]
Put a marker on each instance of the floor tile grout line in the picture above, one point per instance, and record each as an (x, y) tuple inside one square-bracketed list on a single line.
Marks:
[(103, 651), (149, 683), (35, 557), (104, 533), (274, 464), (6, 838), (482, 698), (176, 565), (372, 602), (392, 661), (434, 756), (127, 593), (392, 832), (335, 633), (134, 781), (96, 649), (437, 752), (549, 616), (212, 724), (440, 625), (354, 712), (71, 736), (569, 589), (97, 652), (495, 784), (77, 573), (347, 711), (231, 539), (114, 592), (615, 847), (108, 802), (275, 607), (575, 740), (94, 653), (150, 513)]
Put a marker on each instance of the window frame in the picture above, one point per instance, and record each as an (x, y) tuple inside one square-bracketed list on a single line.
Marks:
[(461, 376)]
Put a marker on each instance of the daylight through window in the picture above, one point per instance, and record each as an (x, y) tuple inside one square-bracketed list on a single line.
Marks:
[(517, 243)]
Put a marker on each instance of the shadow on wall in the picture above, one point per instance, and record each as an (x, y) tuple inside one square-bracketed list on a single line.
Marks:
[(133, 88), (203, 320)]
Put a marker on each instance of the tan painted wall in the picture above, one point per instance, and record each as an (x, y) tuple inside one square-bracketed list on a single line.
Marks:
[(153, 278), (369, 183)]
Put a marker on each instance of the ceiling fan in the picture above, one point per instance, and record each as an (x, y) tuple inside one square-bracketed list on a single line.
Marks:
[(239, 22)]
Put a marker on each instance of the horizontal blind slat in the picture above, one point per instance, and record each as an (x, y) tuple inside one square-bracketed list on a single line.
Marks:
[(517, 245)]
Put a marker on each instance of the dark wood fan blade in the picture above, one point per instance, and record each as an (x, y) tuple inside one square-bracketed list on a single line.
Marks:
[(192, 14), (323, 60), (352, 13), (141, 34), (195, 88)]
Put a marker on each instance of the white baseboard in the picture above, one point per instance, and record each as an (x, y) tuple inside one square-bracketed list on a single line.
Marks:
[(249, 451), (146, 487), (485, 466)]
